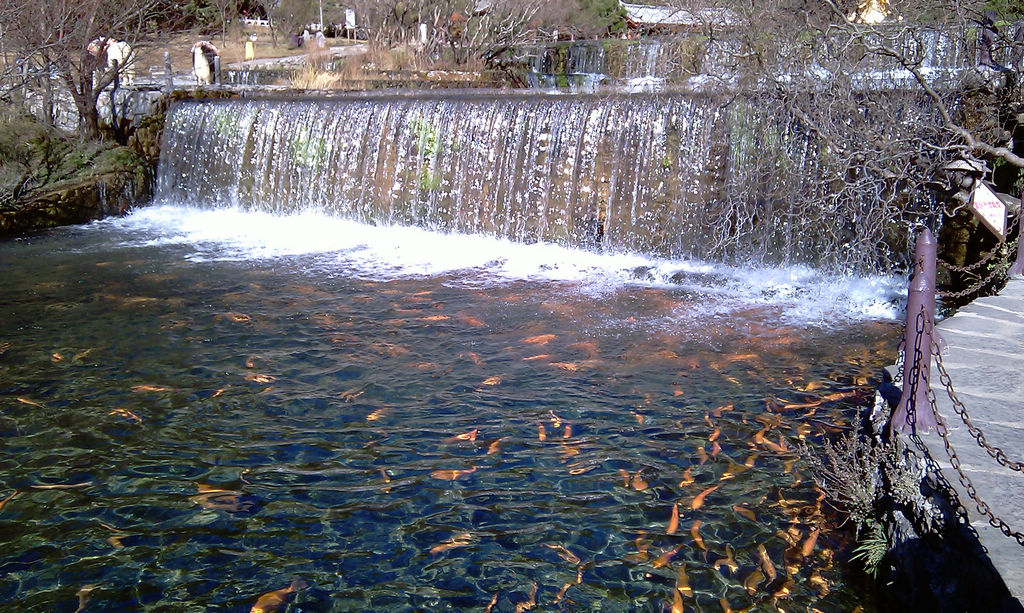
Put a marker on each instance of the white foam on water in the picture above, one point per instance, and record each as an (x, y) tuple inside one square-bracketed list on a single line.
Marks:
[(330, 246)]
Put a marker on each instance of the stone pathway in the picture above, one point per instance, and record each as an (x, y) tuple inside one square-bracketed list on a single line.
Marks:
[(296, 60), (985, 361)]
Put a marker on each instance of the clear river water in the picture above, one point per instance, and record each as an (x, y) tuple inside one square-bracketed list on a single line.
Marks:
[(201, 406)]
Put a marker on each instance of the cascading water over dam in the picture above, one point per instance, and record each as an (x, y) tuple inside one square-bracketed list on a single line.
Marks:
[(673, 175)]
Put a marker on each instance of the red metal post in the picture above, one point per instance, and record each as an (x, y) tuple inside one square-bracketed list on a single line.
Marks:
[(914, 411), (1017, 270)]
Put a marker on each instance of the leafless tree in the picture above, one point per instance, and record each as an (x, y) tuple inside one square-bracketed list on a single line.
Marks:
[(871, 103), (226, 10), (468, 29), (53, 39)]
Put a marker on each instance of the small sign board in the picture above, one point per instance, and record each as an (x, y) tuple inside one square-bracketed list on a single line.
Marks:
[(989, 210)]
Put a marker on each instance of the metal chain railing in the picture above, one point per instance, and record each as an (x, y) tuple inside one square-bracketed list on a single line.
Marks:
[(968, 268), (1002, 249), (961, 411), (943, 430), (965, 481)]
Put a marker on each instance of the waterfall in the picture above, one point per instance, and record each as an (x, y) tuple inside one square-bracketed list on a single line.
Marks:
[(686, 59), (674, 175)]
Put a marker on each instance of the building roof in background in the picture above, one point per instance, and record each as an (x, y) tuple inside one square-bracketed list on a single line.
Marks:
[(648, 15)]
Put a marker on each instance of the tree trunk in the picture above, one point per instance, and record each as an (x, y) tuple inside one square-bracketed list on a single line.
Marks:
[(85, 102)]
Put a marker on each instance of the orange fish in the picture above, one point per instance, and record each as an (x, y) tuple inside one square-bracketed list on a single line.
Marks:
[(714, 435), (581, 467), (666, 557), (493, 602), (472, 356), (126, 414), (219, 499), (352, 394), (673, 522), (451, 475), (728, 561), (687, 478), (83, 597), (641, 555), (434, 318), (540, 356), (808, 547), (766, 563), (820, 401), (60, 486), (459, 540), (698, 501), (695, 533), (782, 592), (495, 380), (564, 553), (561, 593), (465, 436), (639, 484), (683, 582), (779, 447), (542, 339), (745, 512), (542, 433), (31, 403), (149, 388), (677, 602), (495, 447), (3, 503), (752, 581), (277, 600), (819, 583), (717, 412), (731, 471), (530, 603)]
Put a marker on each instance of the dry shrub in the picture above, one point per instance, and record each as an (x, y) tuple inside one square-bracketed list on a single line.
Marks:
[(311, 77)]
